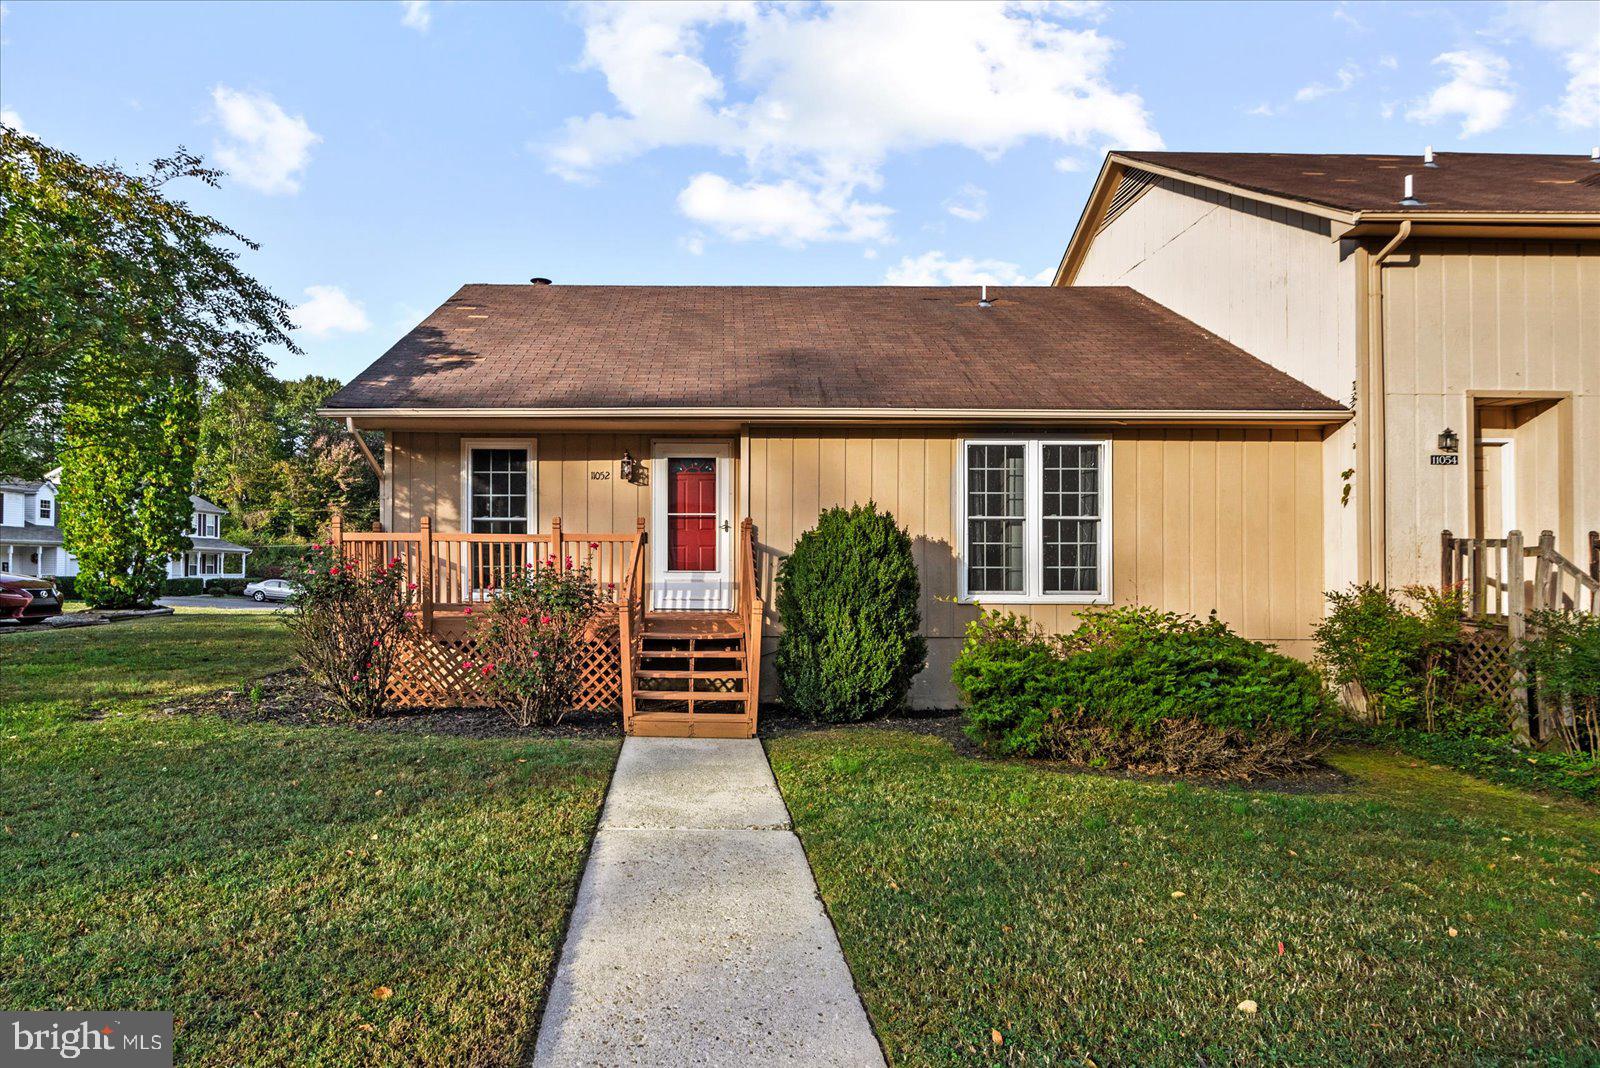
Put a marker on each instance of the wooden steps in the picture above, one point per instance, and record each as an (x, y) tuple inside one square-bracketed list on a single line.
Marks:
[(691, 677)]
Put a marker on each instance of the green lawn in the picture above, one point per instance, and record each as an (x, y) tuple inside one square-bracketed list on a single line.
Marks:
[(264, 882), (1425, 917)]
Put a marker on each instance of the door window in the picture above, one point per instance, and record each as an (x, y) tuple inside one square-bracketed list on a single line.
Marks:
[(692, 513)]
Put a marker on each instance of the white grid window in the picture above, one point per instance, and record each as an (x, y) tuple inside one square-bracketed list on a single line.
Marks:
[(1036, 522), (499, 491)]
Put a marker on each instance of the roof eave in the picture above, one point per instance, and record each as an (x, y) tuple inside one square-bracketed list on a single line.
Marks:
[(1102, 416)]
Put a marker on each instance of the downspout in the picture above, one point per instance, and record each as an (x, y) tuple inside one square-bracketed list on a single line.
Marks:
[(1374, 423)]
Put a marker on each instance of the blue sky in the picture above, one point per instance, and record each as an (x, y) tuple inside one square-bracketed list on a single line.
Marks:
[(385, 153)]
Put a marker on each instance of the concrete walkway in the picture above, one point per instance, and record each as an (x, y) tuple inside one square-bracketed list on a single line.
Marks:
[(698, 936)]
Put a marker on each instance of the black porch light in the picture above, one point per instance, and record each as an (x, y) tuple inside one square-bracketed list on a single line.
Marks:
[(1448, 442), (630, 466)]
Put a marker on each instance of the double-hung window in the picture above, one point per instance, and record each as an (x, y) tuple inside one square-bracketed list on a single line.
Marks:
[(1036, 520)]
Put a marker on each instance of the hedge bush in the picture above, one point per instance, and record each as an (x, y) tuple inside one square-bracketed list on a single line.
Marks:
[(226, 587), (1398, 654), (852, 632), (182, 587), (1135, 687), (1562, 654)]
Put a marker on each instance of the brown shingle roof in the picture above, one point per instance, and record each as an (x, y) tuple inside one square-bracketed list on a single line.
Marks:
[(751, 347), (1462, 181)]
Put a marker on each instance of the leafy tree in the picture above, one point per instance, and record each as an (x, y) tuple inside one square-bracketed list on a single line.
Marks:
[(127, 467), (278, 467), (96, 260)]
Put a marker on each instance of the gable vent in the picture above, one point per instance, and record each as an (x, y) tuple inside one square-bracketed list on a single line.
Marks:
[(1133, 185)]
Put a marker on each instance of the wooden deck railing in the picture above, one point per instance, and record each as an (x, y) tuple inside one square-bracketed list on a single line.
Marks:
[(453, 571), (630, 624), (751, 611), (1493, 574)]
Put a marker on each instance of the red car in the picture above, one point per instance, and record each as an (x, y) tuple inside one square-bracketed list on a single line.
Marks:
[(28, 600)]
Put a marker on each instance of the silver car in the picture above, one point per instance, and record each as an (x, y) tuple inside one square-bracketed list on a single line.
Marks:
[(271, 590)]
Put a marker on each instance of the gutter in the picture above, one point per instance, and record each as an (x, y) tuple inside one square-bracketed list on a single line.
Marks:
[(1371, 400), (1319, 416)]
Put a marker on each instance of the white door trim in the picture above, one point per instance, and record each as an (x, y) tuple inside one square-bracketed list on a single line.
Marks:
[(706, 591), (1507, 445)]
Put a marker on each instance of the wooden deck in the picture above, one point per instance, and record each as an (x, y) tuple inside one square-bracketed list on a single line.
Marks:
[(668, 674)]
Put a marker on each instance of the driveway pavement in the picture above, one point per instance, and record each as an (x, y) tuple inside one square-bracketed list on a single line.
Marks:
[(698, 937), (241, 604)]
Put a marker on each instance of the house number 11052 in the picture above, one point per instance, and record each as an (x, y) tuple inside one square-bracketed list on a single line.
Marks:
[(599, 476)]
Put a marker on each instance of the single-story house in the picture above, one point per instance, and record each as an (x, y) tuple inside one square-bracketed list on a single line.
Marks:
[(31, 542)]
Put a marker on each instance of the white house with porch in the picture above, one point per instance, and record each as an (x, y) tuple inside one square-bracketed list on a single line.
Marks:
[(31, 543)]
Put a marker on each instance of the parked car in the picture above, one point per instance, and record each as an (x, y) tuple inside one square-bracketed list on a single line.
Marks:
[(28, 600), (271, 590)]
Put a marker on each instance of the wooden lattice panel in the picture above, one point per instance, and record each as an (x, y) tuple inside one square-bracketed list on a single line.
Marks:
[(1485, 662), (431, 671)]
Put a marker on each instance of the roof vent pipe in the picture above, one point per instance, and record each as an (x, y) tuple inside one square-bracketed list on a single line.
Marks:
[(983, 297), (1427, 157), (1594, 155), (1410, 199)]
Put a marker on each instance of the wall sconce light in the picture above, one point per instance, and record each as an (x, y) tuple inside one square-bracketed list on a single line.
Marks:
[(1448, 442), (630, 466)]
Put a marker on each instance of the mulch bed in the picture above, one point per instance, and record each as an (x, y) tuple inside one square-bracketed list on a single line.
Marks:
[(289, 699)]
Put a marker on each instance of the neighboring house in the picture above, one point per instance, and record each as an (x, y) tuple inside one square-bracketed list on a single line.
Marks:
[(1474, 308), (31, 543)]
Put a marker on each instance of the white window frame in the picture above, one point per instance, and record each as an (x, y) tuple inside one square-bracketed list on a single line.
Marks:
[(531, 445), (1033, 521), (46, 507)]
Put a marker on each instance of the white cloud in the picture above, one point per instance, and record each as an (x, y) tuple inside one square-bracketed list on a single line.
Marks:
[(970, 203), (789, 212), (1343, 79), (936, 269), (328, 310), (819, 96), (416, 15), (13, 120), (1479, 90), (266, 149), (1572, 31)]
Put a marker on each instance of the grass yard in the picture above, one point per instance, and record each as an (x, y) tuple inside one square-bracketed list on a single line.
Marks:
[(1009, 913), (295, 896)]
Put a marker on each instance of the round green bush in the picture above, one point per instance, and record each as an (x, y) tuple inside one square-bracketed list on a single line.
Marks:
[(852, 633)]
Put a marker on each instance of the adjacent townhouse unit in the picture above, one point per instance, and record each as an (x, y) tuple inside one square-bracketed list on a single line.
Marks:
[(31, 541), (1451, 299), (1230, 402)]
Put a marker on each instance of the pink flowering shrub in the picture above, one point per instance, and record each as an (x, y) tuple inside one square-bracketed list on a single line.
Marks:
[(349, 625), (530, 638)]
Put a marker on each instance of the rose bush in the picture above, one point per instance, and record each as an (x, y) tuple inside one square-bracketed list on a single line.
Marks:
[(349, 624), (530, 637)]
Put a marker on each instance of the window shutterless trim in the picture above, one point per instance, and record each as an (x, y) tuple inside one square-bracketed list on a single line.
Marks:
[(527, 443), (1033, 524)]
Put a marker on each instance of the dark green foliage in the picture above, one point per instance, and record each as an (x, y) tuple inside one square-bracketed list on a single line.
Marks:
[(273, 559), (68, 586), (126, 473), (1562, 654), (182, 587), (1398, 654), (94, 259), (1125, 675), (847, 598), (279, 468), (226, 587)]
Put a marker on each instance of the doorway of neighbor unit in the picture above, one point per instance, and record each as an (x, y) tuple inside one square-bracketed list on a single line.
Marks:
[(1521, 466), (692, 502)]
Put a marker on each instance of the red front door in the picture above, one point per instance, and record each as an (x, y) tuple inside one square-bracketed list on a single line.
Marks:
[(692, 513)]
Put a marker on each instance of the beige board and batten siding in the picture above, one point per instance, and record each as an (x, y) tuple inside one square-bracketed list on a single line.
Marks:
[(425, 479), (1467, 322), (1202, 519), (1266, 278)]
